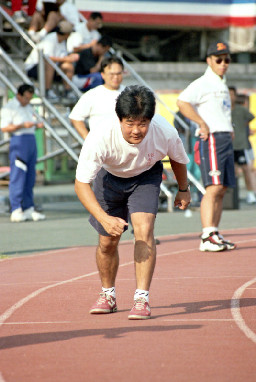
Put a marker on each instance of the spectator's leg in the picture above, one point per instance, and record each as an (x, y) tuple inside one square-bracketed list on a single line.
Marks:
[(49, 75), (52, 20), (68, 69), (37, 22)]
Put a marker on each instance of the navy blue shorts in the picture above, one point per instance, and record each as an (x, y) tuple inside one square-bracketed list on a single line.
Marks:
[(217, 160), (123, 196)]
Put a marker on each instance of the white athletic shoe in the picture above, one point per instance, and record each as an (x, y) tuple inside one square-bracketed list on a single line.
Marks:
[(212, 243), (250, 198), (18, 216), (31, 214), (228, 243)]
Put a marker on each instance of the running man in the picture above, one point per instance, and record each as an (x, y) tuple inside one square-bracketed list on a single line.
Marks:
[(124, 161)]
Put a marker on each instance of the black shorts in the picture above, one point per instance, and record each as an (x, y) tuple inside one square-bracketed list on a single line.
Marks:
[(241, 157), (123, 196), (33, 73)]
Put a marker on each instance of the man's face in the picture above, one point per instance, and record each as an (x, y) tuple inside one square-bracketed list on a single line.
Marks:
[(94, 24), (219, 64), (134, 130), (113, 76), (25, 98)]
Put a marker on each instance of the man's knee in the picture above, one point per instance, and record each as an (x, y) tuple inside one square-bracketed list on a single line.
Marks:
[(108, 244), (143, 226), (216, 190)]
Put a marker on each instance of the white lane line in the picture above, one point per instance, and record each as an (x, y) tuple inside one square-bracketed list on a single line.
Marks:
[(236, 313), (40, 322), (7, 314), (133, 278), (1, 377), (200, 319)]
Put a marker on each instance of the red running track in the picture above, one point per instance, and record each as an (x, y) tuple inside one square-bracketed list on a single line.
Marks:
[(203, 325)]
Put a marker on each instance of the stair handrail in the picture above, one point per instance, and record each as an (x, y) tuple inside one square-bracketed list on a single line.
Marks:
[(27, 38), (44, 100)]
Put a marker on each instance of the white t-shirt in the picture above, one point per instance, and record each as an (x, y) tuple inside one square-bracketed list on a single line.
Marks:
[(210, 96), (50, 46), (82, 35), (97, 104), (111, 151), (14, 112)]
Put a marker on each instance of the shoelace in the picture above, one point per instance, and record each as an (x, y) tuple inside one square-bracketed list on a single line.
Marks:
[(139, 304), (102, 298)]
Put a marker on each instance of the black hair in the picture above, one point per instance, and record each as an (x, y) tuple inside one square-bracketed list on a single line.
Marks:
[(233, 88), (105, 41), (25, 88), (109, 61), (136, 102), (241, 98), (95, 15)]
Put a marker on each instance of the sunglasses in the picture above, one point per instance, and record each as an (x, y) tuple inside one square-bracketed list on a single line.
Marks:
[(220, 60)]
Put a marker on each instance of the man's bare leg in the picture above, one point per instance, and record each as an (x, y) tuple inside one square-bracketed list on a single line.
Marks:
[(211, 205), (107, 260), (145, 248)]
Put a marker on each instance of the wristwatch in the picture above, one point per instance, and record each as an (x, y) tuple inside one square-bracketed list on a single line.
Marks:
[(186, 190)]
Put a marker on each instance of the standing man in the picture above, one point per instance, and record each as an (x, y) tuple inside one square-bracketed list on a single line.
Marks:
[(206, 101), (241, 117), (124, 161), (17, 118), (99, 103)]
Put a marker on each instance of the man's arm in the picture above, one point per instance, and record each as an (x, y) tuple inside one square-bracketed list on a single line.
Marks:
[(182, 199), (188, 111), (26, 125), (80, 127), (113, 225)]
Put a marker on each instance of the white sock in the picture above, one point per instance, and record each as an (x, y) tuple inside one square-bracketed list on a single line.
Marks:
[(110, 291), (141, 293), (208, 230), (42, 33), (31, 32)]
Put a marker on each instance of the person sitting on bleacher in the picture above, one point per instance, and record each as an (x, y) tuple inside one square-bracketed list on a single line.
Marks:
[(86, 33), (87, 68), (47, 16), (54, 46)]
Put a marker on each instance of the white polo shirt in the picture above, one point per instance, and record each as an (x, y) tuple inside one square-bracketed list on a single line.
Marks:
[(97, 104), (108, 149), (14, 112), (50, 46), (209, 95)]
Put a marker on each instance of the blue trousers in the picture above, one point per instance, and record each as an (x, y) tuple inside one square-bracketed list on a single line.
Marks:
[(23, 156)]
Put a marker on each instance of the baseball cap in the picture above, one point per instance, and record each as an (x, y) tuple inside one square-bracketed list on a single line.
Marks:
[(64, 27), (218, 47)]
